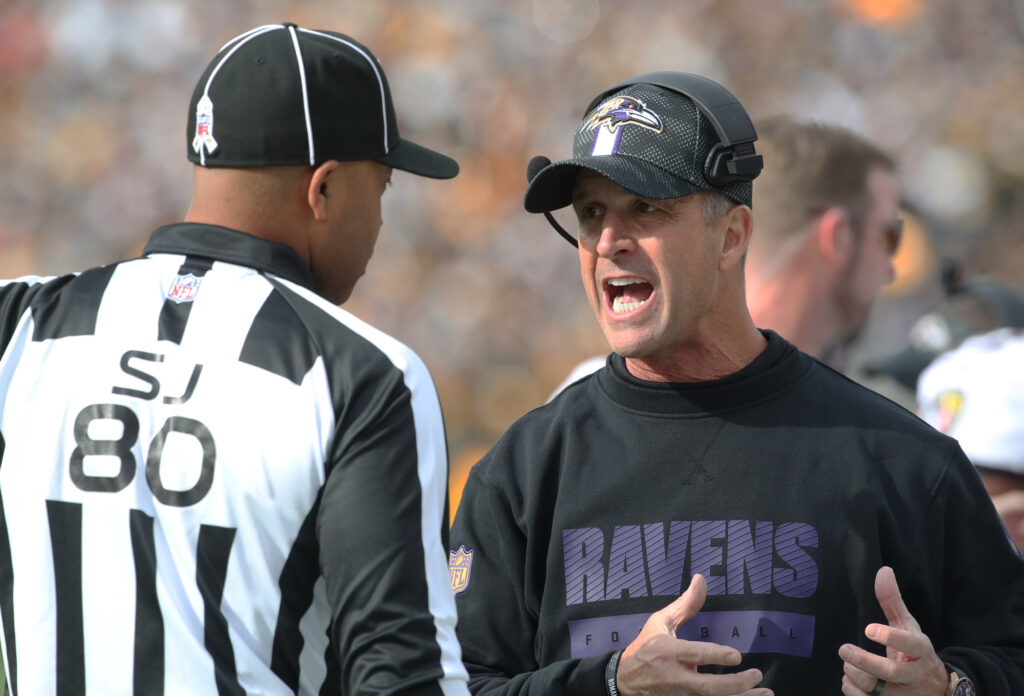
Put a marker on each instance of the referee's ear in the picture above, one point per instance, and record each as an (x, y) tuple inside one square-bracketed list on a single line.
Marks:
[(319, 189)]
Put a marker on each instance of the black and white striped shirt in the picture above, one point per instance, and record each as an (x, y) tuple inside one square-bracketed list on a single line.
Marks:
[(213, 481)]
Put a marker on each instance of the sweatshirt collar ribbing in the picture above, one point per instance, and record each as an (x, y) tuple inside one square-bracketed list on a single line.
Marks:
[(779, 367)]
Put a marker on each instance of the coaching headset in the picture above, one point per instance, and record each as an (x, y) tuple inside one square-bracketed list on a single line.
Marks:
[(732, 159)]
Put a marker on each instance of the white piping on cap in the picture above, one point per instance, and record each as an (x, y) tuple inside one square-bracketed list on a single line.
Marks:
[(305, 95), (376, 71), (242, 40), (256, 30)]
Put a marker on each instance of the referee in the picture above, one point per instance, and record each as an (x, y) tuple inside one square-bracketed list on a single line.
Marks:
[(212, 479)]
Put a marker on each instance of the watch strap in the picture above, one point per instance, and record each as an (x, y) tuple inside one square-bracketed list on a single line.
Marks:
[(959, 683), (611, 674)]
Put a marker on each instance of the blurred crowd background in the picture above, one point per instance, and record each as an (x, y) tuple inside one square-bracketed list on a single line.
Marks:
[(93, 99)]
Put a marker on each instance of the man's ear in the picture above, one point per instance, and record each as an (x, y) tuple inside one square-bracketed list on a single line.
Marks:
[(740, 223), (833, 232), (319, 188)]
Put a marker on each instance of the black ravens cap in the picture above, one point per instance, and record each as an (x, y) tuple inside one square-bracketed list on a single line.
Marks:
[(283, 95), (649, 140)]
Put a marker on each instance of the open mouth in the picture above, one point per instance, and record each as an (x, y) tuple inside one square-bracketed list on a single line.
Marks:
[(627, 294)]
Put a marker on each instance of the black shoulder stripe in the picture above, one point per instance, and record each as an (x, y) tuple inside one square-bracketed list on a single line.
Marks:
[(174, 315), (69, 306), (15, 299), (361, 375), (278, 341), (348, 355)]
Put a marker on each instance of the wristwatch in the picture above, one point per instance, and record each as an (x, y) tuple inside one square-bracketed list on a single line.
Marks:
[(959, 683)]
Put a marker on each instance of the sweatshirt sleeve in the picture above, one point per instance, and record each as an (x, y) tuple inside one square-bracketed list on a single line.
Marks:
[(982, 580), (498, 607)]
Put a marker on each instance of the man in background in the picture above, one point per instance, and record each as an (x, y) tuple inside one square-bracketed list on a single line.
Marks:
[(975, 393), (970, 305), (827, 226)]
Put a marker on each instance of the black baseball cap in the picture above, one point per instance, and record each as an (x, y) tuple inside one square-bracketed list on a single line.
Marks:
[(975, 306), (284, 95), (649, 140)]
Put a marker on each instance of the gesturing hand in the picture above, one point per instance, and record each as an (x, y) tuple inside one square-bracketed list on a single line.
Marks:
[(659, 663), (910, 666)]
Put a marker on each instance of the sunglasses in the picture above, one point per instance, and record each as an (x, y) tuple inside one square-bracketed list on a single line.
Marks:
[(892, 233)]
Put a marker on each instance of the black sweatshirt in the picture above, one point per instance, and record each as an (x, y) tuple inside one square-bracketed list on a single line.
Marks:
[(786, 485)]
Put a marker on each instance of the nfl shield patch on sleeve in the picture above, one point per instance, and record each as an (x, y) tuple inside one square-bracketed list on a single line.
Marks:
[(459, 564)]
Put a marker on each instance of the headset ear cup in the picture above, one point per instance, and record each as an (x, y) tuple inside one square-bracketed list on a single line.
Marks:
[(716, 165)]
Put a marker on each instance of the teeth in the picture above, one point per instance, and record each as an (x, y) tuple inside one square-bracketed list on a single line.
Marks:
[(620, 306)]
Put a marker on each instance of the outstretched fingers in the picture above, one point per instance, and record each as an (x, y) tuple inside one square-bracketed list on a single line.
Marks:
[(695, 654), (887, 591), (902, 645), (657, 662), (686, 606), (665, 665), (910, 661)]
